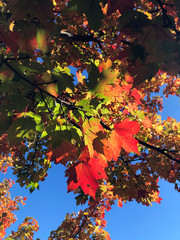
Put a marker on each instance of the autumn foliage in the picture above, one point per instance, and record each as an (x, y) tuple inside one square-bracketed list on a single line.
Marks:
[(79, 86)]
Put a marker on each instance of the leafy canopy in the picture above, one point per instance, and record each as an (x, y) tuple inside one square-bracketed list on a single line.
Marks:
[(77, 86)]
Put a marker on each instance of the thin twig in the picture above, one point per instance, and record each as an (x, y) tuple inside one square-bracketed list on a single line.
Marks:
[(46, 83), (84, 222), (17, 58), (49, 110), (165, 16)]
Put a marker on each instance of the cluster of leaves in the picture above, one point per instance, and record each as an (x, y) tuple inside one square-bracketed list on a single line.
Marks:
[(9, 205), (103, 127), (25, 230)]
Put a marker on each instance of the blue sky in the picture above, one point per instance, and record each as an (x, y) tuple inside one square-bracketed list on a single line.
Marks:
[(50, 204)]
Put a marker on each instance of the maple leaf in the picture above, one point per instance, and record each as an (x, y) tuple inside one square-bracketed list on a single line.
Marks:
[(156, 198), (109, 85), (108, 150), (62, 154), (122, 137), (80, 77), (136, 95), (90, 129), (85, 173)]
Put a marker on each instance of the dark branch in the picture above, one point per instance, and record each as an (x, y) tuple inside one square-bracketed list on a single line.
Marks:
[(45, 83), (17, 58), (49, 110), (167, 21), (78, 38), (105, 126), (58, 100), (81, 38), (162, 151)]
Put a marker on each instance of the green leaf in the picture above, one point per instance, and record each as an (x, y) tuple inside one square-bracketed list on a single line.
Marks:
[(139, 114), (32, 186), (29, 68), (40, 127), (93, 78), (5, 123), (18, 101), (63, 79), (72, 7), (20, 129), (95, 102), (36, 117), (94, 14), (87, 107), (178, 91)]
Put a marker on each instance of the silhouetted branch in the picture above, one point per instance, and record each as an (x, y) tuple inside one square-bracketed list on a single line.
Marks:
[(167, 21), (49, 110), (58, 100), (160, 150)]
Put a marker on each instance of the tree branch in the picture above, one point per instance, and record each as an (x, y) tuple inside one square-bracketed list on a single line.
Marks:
[(49, 110), (58, 100), (78, 38), (84, 222), (160, 150), (81, 38), (165, 16)]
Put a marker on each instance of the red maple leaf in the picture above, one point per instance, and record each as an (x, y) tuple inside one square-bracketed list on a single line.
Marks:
[(137, 97), (122, 137), (85, 173)]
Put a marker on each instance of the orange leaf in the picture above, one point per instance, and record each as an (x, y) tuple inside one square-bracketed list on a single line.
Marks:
[(80, 77), (121, 137), (156, 198), (120, 202), (147, 122), (108, 152), (105, 65)]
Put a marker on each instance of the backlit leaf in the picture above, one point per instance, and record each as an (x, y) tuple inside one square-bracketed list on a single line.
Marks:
[(88, 171), (90, 128), (122, 137)]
